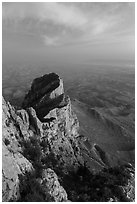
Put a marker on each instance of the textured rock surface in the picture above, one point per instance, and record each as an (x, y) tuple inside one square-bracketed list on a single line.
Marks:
[(52, 186), (129, 189), (14, 163), (17, 128)]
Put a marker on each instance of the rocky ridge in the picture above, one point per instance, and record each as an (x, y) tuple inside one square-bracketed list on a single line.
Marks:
[(41, 149)]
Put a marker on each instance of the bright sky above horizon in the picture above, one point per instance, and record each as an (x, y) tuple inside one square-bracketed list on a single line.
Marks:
[(90, 31)]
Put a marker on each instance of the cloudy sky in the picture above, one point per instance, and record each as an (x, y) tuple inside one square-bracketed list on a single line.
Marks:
[(69, 31)]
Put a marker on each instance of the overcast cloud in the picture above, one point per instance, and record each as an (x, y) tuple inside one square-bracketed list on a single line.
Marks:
[(69, 24)]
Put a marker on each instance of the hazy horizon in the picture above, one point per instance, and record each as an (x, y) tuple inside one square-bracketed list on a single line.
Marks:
[(62, 34)]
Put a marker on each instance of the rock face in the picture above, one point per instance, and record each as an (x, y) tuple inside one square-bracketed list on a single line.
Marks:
[(41, 148), (14, 163), (57, 123), (46, 94), (17, 128), (58, 134)]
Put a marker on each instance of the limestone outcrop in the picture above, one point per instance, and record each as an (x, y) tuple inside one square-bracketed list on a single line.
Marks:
[(58, 125), (46, 93), (56, 135)]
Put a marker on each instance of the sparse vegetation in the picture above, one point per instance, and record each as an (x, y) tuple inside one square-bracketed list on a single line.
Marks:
[(83, 186), (32, 151), (31, 190)]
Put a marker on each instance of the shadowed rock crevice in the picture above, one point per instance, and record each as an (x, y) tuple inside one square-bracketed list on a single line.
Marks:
[(102, 154)]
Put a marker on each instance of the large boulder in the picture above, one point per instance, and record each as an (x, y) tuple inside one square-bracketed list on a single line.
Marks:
[(46, 93)]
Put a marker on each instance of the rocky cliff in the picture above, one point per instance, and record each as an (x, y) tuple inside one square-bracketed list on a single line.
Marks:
[(42, 155)]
